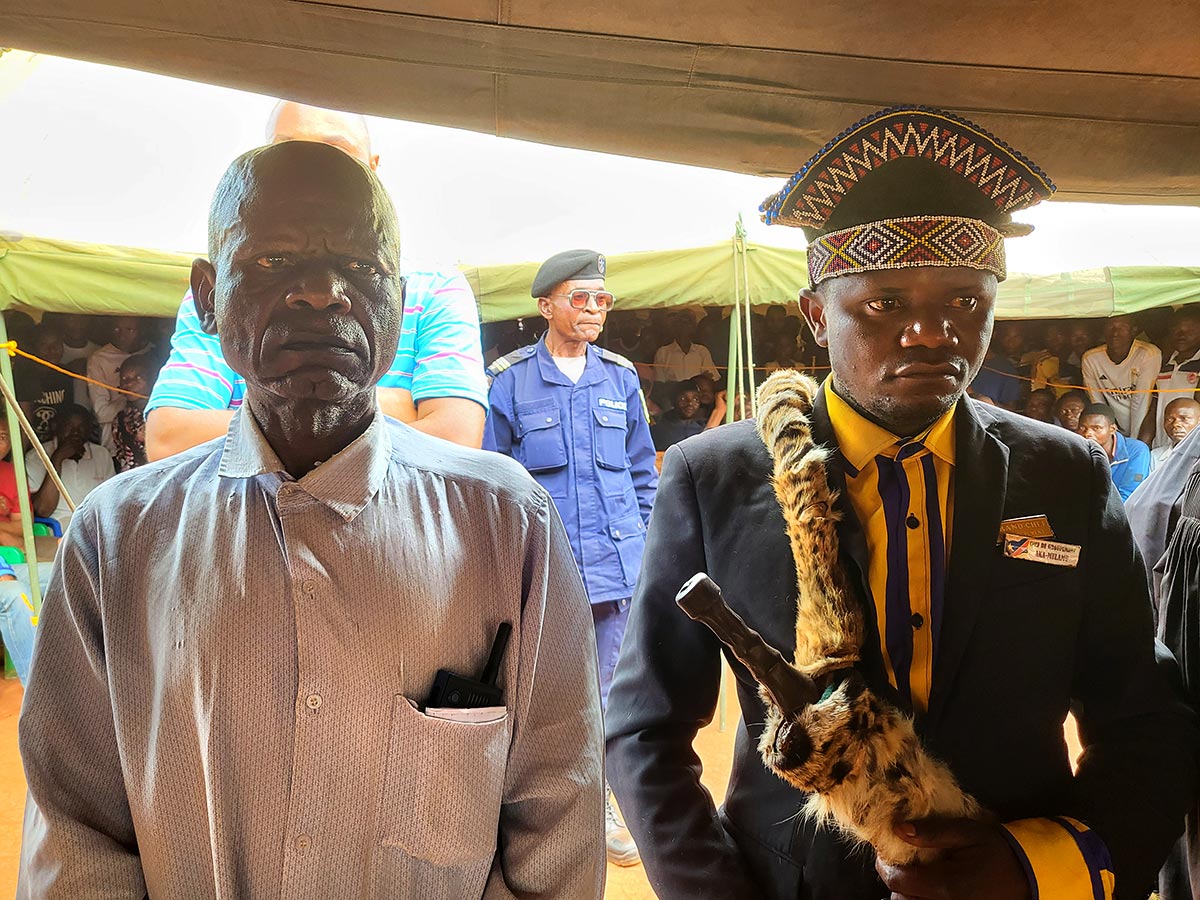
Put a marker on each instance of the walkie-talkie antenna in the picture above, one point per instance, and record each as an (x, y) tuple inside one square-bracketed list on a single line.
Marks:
[(492, 670)]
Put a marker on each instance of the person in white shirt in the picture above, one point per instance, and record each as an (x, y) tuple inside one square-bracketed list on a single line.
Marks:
[(681, 359), (128, 337), (1180, 419), (1121, 372), (82, 465), (1177, 378)]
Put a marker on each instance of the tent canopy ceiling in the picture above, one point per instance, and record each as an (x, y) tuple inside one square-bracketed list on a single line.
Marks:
[(1105, 97), (41, 275)]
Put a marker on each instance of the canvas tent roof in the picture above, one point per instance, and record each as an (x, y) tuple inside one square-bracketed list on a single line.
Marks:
[(1104, 96), (61, 276)]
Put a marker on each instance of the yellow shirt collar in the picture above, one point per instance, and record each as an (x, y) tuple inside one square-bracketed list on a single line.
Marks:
[(861, 440)]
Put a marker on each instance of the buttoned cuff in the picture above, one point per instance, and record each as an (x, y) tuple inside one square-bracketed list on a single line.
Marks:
[(1062, 858)]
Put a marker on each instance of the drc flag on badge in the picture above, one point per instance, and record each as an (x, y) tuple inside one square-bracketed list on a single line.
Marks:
[(1036, 550)]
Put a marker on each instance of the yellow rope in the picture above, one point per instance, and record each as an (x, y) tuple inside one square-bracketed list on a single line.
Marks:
[(14, 350), (1075, 387)]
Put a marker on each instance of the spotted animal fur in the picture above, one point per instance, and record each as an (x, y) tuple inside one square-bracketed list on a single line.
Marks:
[(856, 754)]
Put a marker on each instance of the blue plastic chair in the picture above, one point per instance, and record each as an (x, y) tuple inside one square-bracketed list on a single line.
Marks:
[(52, 524)]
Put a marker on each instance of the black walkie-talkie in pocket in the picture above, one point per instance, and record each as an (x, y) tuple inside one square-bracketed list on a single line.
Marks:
[(454, 691)]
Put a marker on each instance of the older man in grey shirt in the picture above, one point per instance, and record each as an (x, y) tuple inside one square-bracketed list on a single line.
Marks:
[(227, 694)]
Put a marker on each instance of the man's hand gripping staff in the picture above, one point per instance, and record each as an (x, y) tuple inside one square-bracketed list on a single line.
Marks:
[(827, 733)]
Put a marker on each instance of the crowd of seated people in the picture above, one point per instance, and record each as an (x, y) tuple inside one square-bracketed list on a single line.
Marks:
[(91, 427), (1049, 370), (1128, 383)]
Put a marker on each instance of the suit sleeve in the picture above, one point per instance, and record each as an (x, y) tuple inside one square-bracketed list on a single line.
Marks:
[(1137, 775), (79, 839), (639, 446), (552, 816), (665, 690)]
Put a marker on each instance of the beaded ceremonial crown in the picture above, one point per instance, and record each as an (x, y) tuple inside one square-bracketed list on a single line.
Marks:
[(909, 186)]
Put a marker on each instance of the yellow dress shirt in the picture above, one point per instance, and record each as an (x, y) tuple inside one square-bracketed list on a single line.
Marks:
[(903, 494)]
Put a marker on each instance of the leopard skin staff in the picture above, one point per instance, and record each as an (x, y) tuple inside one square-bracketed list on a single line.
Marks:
[(855, 754)]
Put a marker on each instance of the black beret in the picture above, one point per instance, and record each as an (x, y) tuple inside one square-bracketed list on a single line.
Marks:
[(565, 266)]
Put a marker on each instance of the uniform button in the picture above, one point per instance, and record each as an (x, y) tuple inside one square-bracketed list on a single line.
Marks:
[(616, 532), (302, 842), (309, 585), (549, 420), (917, 620), (313, 701), (912, 521), (604, 418)]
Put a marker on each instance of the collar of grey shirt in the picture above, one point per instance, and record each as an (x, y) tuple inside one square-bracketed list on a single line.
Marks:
[(345, 482)]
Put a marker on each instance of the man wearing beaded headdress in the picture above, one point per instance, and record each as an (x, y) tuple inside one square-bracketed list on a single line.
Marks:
[(999, 585)]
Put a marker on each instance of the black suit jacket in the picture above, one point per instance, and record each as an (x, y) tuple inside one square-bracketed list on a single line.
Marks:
[(1022, 643)]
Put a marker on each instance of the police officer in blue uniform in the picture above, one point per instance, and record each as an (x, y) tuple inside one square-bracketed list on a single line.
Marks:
[(574, 416)]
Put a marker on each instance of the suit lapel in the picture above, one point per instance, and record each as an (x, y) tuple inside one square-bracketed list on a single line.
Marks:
[(980, 480)]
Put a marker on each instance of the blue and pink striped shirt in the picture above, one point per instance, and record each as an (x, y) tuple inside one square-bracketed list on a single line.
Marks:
[(439, 354)]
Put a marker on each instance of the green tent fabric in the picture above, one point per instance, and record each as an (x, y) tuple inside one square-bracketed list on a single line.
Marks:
[(41, 275)]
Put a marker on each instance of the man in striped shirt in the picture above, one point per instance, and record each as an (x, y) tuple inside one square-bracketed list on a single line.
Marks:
[(436, 384)]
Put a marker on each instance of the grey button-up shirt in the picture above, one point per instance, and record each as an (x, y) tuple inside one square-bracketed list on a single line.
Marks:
[(219, 705)]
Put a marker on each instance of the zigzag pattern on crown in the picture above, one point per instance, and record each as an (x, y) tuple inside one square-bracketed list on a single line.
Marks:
[(1010, 180), (906, 243)]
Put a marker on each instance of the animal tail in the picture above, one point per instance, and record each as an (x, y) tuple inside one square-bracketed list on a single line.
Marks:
[(829, 622)]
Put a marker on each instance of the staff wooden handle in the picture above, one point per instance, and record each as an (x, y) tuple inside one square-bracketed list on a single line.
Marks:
[(703, 602)]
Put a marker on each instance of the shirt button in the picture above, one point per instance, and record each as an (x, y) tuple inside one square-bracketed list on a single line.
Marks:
[(309, 585), (604, 418), (548, 420), (917, 620), (302, 842), (912, 522), (313, 702)]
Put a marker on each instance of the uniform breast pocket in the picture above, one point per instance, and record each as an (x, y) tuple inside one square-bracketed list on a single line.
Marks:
[(443, 787), (609, 433), (542, 445)]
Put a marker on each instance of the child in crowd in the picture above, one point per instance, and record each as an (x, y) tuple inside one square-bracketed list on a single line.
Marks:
[(81, 464), (10, 508), (137, 374)]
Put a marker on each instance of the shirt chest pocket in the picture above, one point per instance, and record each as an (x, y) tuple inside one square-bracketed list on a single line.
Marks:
[(542, 444), (443, 787), (609, 439)]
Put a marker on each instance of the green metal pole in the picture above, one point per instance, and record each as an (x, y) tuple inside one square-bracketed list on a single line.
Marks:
[(733, 373), (753, 398), (18, 460)]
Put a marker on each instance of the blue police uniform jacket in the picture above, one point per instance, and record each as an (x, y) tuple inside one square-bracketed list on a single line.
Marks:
[(588, 444)]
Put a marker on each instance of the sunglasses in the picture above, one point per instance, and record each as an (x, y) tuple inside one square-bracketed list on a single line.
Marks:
[(579, 298)]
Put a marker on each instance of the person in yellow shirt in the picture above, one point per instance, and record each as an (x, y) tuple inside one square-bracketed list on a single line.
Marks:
[(999, 583)]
